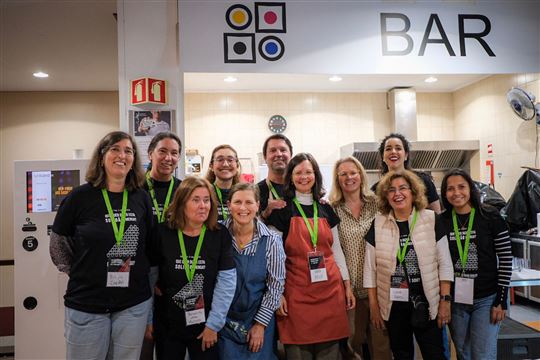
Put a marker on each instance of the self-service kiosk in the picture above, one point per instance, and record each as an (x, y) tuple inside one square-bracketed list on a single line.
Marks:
[(39, 188)]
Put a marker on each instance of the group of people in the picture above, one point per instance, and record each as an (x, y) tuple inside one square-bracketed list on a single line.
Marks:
[(222, 269)]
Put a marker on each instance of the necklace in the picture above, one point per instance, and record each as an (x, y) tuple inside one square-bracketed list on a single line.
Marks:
[(463, 224)]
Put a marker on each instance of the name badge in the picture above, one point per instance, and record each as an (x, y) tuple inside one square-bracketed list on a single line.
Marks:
[(317, 268), (118, 272), (464, 290), (399, 288), (194, 310)]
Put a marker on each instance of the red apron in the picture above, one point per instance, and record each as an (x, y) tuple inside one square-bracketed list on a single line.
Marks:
[(317, 311)]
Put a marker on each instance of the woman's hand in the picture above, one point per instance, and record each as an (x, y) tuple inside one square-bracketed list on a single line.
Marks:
[(283, 310), (149, 332), (497, 314), (350, 300), (208, 338), (443, 315), (255, 337), (273, 205), (375, 316)]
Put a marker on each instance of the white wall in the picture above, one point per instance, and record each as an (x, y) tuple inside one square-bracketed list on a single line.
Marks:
[(39, 126)]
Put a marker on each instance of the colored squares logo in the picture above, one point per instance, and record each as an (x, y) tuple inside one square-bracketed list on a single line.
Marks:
[(239, 17), (239, 46), (270, 18)]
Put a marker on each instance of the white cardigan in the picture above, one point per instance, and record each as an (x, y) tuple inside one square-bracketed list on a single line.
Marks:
[(434, 259)]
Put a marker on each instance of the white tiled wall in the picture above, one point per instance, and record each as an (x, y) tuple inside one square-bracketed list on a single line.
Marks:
[(482, 112), (317, 122)]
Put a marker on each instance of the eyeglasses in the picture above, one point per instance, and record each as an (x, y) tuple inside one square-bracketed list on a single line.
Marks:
[(350, 174), (400, 189), (222, 160), (117, 150)]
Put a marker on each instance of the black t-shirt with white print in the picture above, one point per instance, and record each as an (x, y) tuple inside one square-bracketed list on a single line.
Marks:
[(215, 255), (161, 188), (482, 264), (223, 209), (83, 216)]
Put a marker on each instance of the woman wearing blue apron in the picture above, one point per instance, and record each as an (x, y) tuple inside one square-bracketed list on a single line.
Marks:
[(260, 262)]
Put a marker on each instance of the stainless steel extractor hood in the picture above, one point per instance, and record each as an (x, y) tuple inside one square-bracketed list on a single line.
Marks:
[(425, 155)]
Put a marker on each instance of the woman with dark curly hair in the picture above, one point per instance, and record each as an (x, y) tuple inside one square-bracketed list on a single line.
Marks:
[(408, 269), (99, 238), (394, 151), (482, 257), (312, 317)]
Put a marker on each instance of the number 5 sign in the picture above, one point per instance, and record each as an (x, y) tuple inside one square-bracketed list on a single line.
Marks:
[(148, 90)]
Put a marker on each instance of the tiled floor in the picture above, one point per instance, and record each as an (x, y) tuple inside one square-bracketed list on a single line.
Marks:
[(525, 311)]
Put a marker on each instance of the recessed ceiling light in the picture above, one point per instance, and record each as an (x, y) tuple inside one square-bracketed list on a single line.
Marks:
[(335, 78), (431, 79), (230, 79), (40, 74)]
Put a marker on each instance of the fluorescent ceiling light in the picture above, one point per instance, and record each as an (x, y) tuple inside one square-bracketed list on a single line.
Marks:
[(335, 78), (431, 79), (230, 79), (40, 74)]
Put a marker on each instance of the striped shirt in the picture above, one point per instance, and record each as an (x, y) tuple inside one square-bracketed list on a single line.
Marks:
[(275, 268)]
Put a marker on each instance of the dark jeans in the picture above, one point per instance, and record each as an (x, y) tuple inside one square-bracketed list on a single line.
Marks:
[(401, 332), (169, 347)]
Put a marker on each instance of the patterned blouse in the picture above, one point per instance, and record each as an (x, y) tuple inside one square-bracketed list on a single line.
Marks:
[(352, 234)]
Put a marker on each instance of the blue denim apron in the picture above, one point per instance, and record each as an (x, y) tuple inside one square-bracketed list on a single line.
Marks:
[(250, 288)]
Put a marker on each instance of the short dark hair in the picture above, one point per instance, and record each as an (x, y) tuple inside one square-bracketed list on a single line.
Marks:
[(317, 190), (160, 136), (406, 147), (95, 174), (276, 137), (475, 194)]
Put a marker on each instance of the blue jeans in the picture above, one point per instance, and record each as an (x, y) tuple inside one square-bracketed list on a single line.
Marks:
[(117, 335), (474, 336)]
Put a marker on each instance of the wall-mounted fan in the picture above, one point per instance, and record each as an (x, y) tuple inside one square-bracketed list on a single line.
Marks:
[(523, 104)]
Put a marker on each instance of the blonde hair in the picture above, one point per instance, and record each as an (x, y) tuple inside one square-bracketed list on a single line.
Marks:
[(211, 177), (336, 194), (176, 218), (418, 190)]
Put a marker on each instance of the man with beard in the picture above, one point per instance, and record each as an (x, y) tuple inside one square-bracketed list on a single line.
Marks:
[(277, 151)]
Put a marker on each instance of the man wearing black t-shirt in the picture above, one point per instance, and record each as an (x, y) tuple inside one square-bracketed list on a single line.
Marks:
[(277, 151)]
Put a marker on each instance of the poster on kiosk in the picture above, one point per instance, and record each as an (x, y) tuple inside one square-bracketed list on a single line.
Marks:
[(39, 188)]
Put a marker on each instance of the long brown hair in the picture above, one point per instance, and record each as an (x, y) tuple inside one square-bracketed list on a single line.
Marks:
[(176, 218), (96, 175)]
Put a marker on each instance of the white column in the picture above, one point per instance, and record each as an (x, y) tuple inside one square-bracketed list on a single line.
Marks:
[(148, 47)]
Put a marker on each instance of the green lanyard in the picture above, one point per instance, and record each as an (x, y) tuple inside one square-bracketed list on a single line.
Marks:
[(160, 216), (220, 198), (402, 251), (118, 234), (463, 253), (313, 232), (273, 190), (190, 271)]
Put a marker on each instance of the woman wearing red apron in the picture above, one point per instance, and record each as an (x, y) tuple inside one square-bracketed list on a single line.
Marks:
[(312, 317)]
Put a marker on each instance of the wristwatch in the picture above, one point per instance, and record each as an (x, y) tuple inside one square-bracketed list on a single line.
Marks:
[(447, 298)]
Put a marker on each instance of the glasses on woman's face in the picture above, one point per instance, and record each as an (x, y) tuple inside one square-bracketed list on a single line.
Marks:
[(117, 150), (400, 189), (224, 159)]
